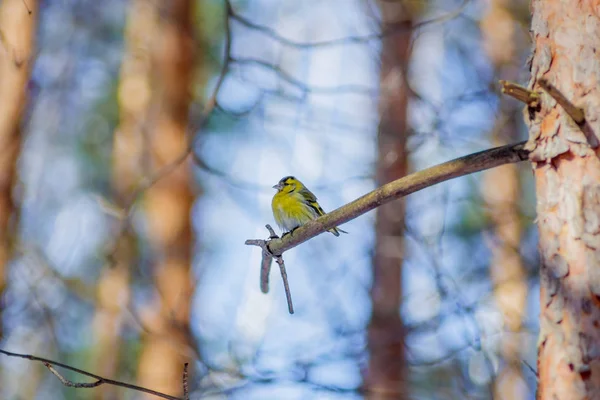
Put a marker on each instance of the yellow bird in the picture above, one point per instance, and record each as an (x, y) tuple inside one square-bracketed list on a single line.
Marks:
[(294, 205)]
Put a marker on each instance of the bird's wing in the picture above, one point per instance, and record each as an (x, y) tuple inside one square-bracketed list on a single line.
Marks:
[(312, 201), (308, 195)]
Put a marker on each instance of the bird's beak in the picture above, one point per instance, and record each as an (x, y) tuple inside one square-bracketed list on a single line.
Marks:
[(279, 186)]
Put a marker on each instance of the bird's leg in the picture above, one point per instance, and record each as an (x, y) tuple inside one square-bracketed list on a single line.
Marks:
[(285, 233)]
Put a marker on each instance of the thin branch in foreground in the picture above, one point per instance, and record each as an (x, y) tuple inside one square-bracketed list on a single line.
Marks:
[(99, 380), (466, 165)]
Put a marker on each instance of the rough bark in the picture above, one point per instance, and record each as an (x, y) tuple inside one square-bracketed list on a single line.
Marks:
[(385, 377), (18, 24), (567, 172), (501, 190), (168, 343)]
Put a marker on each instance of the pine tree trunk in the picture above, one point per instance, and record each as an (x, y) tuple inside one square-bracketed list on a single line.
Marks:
[(567, 172), (385, 377), (18, 23)]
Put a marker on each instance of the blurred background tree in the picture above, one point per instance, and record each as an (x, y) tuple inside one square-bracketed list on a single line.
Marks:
[(504, 40), (152, 132), (17, 40), (386, 372)]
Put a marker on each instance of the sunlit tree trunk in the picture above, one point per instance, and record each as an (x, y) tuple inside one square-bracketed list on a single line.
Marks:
[(385, 377), (501, 193), (134, 93), (566, 37), (18, 23), (168, 343)]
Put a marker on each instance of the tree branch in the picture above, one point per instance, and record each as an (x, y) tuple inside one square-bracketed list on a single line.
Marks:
[(186, 391), (99, 380), (68, 383), (286, 285), (303, 86), (394, 190), (267, 260), (531, 98), (571, 109), (577, 114)]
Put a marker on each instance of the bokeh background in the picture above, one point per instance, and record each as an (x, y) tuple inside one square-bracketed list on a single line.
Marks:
[(140, 140)]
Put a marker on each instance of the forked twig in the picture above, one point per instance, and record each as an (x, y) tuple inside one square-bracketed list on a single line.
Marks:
[(265, 266)]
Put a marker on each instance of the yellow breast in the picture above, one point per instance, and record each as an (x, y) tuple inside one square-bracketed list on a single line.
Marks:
[(290, 211)]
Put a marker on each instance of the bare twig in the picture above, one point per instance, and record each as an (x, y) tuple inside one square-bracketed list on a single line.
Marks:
[(286, 286), (186, 392), (390, 30), (303, 86), (532, 99), (533, 371), (394, 190), (265, 269), (267, 260), (99, 380), (577, 114), (571, 109), (69, 383)]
